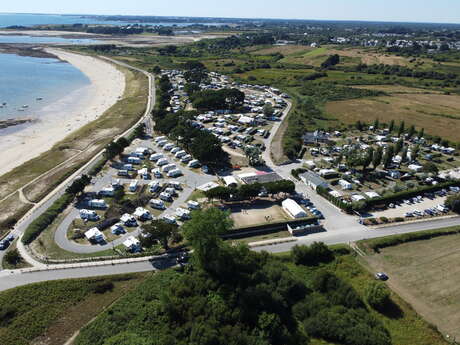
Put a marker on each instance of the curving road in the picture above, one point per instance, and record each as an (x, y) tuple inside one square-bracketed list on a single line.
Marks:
[(340, 227)]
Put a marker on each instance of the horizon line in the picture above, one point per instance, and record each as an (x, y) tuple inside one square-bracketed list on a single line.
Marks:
[(238, 18)]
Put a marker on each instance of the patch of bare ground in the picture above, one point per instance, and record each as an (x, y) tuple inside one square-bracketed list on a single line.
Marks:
[(427, 275), (397, 89), (11, 207)]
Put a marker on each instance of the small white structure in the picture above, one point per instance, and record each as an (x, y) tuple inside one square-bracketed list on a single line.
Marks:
[(372, 195), (415, 167), (168, 167), (95, 235), (182, 213), (157, 204), (293, 209), (180, 154), (142, 214), (176, 185), (89, 215), (128, 220), (175, 173), (193, 205), (132, 244), (143, 173), (207, 186), (156, 156), (345, 184), (107, 191), (194, 164), (169, 219), (230, 181), (162, 161), (117, 229), (97, 203), (134, 160), (154, 186), (246, 120), (165, 196), (357, 197), (133, 186)]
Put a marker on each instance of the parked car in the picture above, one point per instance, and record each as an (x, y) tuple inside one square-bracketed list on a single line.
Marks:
[(381, 276)]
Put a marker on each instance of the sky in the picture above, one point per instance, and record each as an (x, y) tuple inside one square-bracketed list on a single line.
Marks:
[(438, 11)]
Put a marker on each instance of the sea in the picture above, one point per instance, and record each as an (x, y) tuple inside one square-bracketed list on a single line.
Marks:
[(25, 79)]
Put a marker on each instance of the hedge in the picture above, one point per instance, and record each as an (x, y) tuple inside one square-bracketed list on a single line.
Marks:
[(336, 201), (389, 241), (410, 193), (43, 221)]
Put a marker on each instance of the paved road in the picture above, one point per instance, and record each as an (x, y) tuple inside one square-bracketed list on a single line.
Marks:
[(10, 280), (189, 181), (353, 235), (47, 201)]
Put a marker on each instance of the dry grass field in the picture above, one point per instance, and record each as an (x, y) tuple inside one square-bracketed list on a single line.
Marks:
[(427, 275), (254, 214), (285, 50), (438, 114)]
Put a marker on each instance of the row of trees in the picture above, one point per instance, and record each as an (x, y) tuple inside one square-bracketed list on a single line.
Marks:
[(250, 191)]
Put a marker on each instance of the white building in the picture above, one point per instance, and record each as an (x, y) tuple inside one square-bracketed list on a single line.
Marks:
[(132, 244), (293, 209), (345, 184)]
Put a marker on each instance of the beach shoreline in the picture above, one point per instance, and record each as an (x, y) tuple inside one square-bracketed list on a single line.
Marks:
[(59, 119)]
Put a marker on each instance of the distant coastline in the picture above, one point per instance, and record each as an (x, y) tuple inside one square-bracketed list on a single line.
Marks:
[(25, 50)]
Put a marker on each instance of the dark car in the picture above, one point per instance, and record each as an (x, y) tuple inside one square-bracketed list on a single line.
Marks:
[(381, 276), (4, 245)]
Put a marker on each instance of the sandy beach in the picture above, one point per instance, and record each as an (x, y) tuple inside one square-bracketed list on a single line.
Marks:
[(68, 114)]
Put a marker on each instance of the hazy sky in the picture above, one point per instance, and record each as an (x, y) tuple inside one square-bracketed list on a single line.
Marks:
[(443, 11)]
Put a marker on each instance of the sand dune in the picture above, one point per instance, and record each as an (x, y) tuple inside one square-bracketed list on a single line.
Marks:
[(68, 114)]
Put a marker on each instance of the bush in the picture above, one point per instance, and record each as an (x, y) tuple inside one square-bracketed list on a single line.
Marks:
[(377, 295), (13, 257), (384, 219), (453, 202), (312, 255), (103, 287), (43, 221)]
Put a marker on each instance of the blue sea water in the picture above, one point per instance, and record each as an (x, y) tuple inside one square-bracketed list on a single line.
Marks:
[(23, 79)]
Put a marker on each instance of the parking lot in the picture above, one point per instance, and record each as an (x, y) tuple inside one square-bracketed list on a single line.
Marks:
[(402, 209)]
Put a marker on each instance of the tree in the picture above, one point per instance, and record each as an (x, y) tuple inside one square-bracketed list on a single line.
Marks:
[(359, 125), (391, 127), (421, 133), (112, 150), (158, 230), (220, 193), (401, 128), (312, 255), (377, 295), (331, 61), (78, 185), (453, 202), (13, 257), (404, 157), (203, 232), (367, 159), (430, 168), (388, 157), (377, 157), (411, 131), (415, 152), (268, 110), (156, 70), (398, 146), (376, 124)]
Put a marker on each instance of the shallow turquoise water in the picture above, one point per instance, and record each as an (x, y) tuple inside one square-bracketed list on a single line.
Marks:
[(24, 79)]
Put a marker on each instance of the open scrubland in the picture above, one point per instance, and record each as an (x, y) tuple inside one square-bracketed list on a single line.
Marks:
[(426, 274), (52, 312)]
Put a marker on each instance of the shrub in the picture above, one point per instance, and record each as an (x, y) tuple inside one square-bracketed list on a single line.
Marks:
[(312, 255), (384, 219), (103, 287), (377, 295), (43, 221), (398, 219), (13, 257)]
